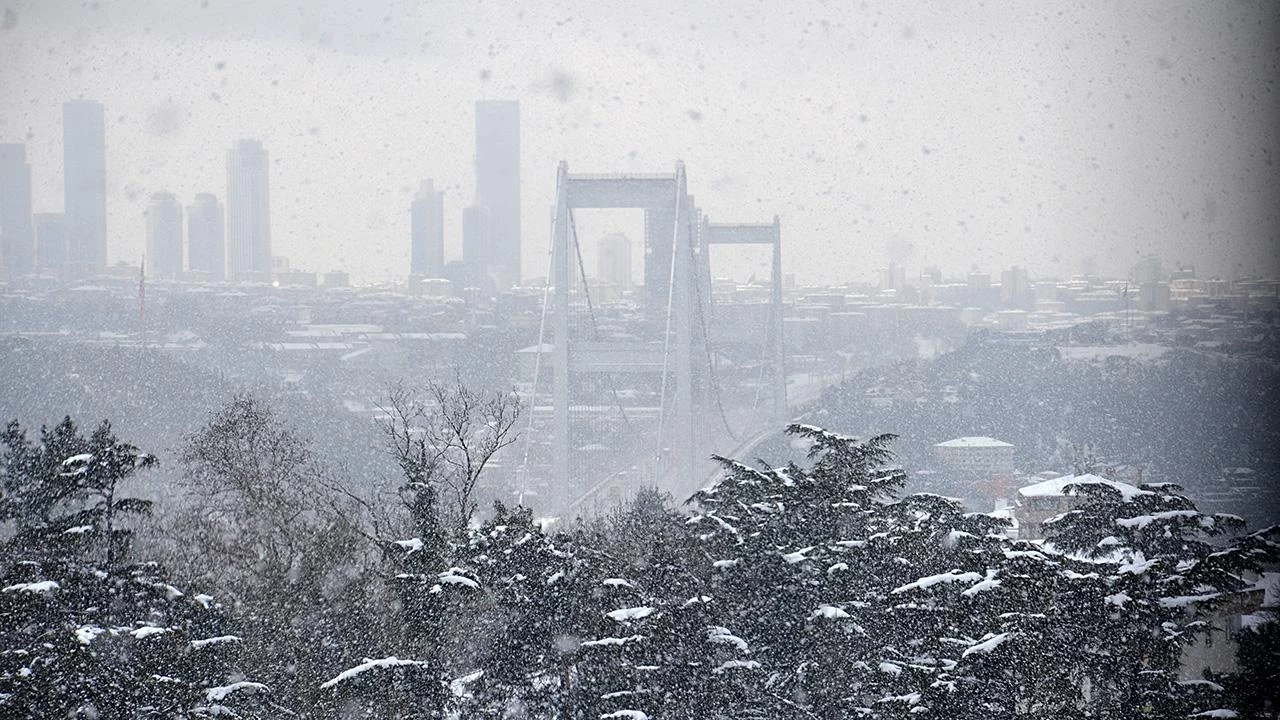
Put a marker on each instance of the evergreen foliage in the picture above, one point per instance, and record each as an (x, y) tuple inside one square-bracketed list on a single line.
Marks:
[(85, 629)]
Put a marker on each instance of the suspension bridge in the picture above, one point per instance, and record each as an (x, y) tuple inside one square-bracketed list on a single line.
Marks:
[(638, 395)]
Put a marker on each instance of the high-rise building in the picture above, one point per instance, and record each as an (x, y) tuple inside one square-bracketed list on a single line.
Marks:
[(893, 277), (84, 153), (206, 238), (164, 235), (426, 230), (52, 238), (613, 260), (248, 213), (1015, 288), (17, 241), (477, 247), (498, 185)]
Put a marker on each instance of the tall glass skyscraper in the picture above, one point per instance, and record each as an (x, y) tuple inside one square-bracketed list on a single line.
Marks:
[(426, 223), (498, 186), (206, 237), (164, 235), (248, 213), (17, 239), (84, 155)]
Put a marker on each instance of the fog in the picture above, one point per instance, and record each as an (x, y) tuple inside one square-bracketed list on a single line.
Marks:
[(641, 360), (943, 134)]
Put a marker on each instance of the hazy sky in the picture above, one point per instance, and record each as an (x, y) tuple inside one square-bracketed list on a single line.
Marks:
[(945, 133)]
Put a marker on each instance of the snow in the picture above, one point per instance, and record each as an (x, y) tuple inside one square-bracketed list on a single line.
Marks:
[(77, 530), (989, 643), (797, 556), (1221, 713), (80, 459), (737, 665), (1187, 600), (218, 694), (219, 640), (617, 582), (1117, 599), (1057, 487), (44, 587), (624, 715), (602, 642), (387, 662), (931, 580), (977, 441), (1137, 566), (1099, 353), (628, 614), (829, 612), (147, 631), (85, 634), (411, 546), (723, 636), (987, 583), (452, 577), (1141, 521), (458, 686), (890, 668)]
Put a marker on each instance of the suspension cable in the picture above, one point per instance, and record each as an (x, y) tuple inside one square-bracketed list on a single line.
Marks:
[(537, 362), (595, 329), (666, 338)]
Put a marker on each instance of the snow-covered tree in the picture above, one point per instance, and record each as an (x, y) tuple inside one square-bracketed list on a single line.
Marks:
[(85, 629)]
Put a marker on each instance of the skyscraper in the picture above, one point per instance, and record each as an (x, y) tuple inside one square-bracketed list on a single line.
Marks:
[(248, 213), (52, 252), (17, 241), (477, 246), (164, 235), (613, 260), (84, 155), (498, 185), (206, 237), (426, 223)]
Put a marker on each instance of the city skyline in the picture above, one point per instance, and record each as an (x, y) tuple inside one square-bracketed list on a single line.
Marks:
[(1082, 135)]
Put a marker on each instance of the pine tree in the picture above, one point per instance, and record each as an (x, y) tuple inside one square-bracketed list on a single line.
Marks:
[(84, 628), (1167, 567)]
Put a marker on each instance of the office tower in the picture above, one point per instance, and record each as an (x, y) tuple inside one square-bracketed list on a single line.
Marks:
[(248, 213), (498, 185), (52, 238), (164, 236), (84, 153), (17, 241), (893, 277), (53, 251), (206, 238), (477, 245), (426, 230), (1015, 287), (613, 260)]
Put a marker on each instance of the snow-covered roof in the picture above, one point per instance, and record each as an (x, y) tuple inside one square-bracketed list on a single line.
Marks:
[(974, 442), (1056, 487)]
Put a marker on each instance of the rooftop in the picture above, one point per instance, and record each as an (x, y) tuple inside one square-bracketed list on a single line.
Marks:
[(973, 442)]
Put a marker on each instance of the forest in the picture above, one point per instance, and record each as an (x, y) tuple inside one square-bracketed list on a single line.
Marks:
[(272, 586)]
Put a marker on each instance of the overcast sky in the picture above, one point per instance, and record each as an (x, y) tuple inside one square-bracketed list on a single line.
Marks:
[(953, 134)]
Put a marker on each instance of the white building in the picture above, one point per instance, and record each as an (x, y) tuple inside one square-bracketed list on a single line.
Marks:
[(975, 456)]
